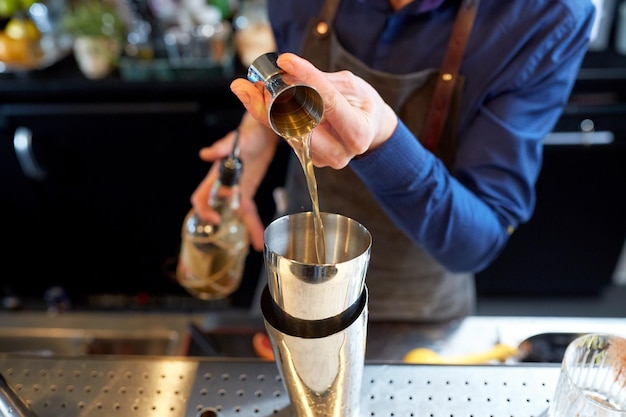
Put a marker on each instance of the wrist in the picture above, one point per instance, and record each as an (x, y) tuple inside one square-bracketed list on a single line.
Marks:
[(388, 125)]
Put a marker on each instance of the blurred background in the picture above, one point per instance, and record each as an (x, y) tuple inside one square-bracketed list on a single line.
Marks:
[(104, 106)]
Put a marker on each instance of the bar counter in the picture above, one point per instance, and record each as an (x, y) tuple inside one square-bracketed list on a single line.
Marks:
[(175, 383), (150, 386)]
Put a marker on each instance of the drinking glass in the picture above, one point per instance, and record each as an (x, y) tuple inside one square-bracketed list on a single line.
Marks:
[(592, 382)]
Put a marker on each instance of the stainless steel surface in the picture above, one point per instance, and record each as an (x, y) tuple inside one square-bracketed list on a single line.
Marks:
[(296, 108), (323, 373), (304, 288), (316, 313), (172, 386), (385, 341), (391, 341), (94, 333), (163, 386), (78, 341), (10, 402)]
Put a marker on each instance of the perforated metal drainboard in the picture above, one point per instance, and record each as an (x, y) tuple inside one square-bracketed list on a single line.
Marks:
[(195, 387)]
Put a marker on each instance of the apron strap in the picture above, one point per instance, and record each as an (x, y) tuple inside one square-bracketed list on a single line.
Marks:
[(326, 18), (448, 74)]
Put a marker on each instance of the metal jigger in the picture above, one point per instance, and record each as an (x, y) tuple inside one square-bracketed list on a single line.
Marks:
[(296, 109), (316, 314)]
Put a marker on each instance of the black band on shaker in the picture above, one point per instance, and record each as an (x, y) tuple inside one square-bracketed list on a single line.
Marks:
[(310, 329)]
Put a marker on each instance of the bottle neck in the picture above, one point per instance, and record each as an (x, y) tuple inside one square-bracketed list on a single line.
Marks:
[(224, 198)]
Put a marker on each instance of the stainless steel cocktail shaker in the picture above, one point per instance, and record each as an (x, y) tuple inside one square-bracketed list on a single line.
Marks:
[(316, 314)]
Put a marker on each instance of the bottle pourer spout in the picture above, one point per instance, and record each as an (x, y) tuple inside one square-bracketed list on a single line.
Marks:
[(231, 167)]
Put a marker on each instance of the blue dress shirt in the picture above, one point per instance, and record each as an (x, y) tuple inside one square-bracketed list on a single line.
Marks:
[(520, 65)]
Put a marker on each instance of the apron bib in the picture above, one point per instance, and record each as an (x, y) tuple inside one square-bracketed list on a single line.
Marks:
[(404, 281)]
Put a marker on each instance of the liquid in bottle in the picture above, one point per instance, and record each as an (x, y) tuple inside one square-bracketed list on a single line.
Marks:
[(212, 257)]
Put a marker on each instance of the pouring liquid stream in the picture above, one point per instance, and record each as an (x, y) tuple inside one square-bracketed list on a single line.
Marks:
[(302, 148)]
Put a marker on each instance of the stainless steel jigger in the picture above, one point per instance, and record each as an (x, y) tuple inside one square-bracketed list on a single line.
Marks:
[(316, 314), (296, 109)]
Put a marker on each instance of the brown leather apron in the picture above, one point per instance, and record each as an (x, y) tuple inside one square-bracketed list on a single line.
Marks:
[(404, 281)]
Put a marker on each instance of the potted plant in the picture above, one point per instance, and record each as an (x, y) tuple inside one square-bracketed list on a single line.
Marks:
[(98, 31)]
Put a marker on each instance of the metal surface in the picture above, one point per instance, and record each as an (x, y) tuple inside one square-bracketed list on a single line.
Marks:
[(322, 374), (66, 341), (296, 109), (173, 387), (65, 334), (315, 310), (10, 402), (300, 285)]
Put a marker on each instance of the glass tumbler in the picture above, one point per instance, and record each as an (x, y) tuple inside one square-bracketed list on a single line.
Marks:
[(592, 382)]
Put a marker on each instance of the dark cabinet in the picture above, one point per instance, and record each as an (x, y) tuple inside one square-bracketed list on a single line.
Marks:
[(96, 179), (572, 244)]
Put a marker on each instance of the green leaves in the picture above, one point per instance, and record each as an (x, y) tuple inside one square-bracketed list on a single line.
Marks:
[(93, 18)]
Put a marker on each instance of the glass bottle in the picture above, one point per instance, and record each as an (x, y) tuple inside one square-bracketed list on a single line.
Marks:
[(212, 257)]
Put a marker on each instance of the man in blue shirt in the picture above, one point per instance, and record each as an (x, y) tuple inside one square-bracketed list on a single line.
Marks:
[(440, 199)]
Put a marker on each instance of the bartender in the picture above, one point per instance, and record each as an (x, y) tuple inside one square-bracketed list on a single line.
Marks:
[(435, 113)]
